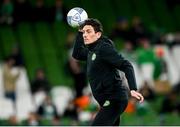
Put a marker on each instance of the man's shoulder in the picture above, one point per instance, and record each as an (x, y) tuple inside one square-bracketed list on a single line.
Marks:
[(105, 43)]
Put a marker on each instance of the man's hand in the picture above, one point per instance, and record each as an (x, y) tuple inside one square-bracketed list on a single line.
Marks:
[(80, 30), (137, 95)]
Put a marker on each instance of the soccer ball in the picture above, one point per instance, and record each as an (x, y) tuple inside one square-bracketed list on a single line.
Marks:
[(76, 16)]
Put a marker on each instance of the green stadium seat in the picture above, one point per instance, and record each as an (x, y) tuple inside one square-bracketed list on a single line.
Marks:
[(29, 49), (48, 53), (8, 40)]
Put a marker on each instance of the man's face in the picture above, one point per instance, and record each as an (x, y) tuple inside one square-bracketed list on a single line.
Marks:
[(89, 35)]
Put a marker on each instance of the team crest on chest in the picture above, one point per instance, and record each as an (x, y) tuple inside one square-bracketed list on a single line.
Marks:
[(106, 103), (93, 57)]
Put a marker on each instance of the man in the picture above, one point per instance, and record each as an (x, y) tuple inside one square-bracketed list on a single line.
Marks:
[(10, 79), (103, 63)]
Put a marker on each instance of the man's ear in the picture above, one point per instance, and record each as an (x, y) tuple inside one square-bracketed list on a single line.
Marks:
[(99, 34)]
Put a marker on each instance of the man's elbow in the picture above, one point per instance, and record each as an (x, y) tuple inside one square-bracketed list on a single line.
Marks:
[(128, 63)]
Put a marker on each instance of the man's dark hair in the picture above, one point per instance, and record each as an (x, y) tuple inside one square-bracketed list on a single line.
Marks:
[(94, 23)]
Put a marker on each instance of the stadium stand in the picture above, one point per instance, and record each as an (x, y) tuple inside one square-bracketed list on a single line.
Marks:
[(43, 45)]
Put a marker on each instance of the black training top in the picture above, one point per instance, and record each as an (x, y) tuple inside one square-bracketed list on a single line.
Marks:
[(103, 63)]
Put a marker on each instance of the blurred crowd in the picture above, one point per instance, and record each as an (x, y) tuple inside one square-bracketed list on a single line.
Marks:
[(153, 53)]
